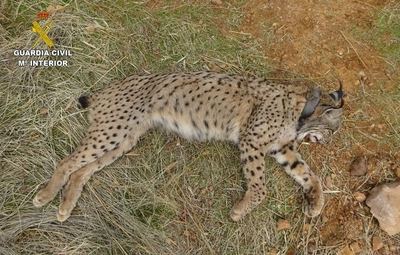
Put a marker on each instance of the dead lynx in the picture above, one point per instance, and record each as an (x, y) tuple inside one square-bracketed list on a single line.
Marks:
[(263, 117)]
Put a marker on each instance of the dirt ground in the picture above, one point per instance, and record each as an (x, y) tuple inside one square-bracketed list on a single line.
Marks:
[(316, 40)]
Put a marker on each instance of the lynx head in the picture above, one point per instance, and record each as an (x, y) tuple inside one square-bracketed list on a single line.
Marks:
[(321, 116)]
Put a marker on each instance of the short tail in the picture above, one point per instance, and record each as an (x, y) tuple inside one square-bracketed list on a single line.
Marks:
[(84, 101)]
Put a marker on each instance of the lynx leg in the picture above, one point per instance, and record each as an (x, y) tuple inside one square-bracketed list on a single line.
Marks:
[(66, 166), (78, 179), (253, 170), (291, 161), (99, 141)]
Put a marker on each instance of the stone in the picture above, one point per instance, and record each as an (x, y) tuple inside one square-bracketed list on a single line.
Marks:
[(359, 196), (358, 166), (384, 201)]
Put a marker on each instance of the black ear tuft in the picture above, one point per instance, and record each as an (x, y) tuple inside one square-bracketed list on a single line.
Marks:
[(312, 102), (338, 94), (84, 101)]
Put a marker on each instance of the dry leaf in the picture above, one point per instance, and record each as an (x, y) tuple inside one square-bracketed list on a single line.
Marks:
[(55, 8), (282, 225), (376, 243)]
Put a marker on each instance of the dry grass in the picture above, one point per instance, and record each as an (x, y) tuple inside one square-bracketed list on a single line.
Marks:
[(166, 196)]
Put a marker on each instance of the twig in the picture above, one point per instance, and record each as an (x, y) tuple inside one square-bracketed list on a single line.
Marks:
[(358, 55)]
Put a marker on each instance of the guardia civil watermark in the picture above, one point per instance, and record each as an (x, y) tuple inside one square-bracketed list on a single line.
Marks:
[(42, 53), (49, 56)]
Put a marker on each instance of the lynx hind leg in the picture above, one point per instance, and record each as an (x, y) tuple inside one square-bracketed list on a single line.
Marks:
[(78, 179), (63, 169), (103, 136), (253, 169), (294, 166)]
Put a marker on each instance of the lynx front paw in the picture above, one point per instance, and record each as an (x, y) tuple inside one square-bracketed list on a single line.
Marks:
[(240, 209), (315, 201), (237, 213)]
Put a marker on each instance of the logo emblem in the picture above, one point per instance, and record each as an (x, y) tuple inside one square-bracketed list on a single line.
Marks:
[(42, 26)]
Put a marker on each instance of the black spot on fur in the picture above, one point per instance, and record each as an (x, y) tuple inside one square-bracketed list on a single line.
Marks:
[(295, 164), (285, 164)]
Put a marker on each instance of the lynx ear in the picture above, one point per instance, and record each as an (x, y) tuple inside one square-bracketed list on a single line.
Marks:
[(338, 95), (312, 102)]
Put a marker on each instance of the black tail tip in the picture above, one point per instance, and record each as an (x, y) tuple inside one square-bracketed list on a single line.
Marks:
[(84, 101)]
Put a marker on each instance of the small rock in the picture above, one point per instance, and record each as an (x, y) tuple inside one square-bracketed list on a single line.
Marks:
[(355, 247), (376, 243), (358, 166), (282, 225), (384, 201), (359, 196)]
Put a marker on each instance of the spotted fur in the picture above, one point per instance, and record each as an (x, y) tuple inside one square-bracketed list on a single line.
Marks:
[(263, 117)]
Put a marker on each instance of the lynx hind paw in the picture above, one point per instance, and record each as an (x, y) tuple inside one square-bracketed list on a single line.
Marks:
[(42, 198), (63, 215)]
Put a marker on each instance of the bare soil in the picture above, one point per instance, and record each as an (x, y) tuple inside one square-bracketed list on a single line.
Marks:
[(316, 39)]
